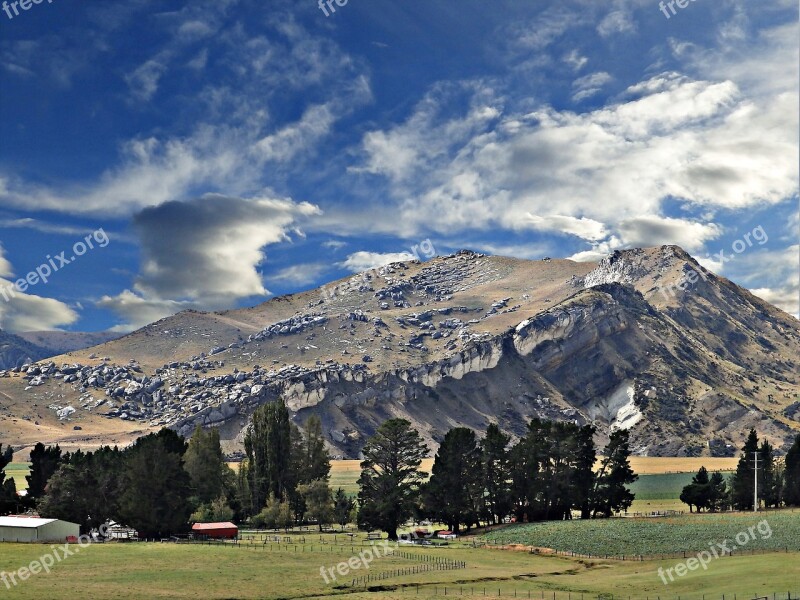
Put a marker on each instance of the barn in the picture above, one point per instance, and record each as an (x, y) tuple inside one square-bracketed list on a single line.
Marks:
[(31, 529), (225, 531)]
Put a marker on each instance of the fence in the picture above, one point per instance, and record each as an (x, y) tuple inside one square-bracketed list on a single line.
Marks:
[(632, 557), (488, 592), (429, 563)]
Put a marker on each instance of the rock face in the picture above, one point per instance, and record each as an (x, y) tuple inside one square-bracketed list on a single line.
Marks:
[(467, 340)]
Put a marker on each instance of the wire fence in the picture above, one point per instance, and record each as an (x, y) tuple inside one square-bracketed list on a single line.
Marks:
[(428, 564), (499, 592), (632, 557)]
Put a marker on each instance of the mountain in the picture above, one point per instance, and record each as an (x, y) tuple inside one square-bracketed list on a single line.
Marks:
[(16, 351), (645, 339), (59, 342)]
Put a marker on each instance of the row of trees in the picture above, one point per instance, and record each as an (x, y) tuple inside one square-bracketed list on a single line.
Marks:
[(547, 475), (162, 483), (777, 484)]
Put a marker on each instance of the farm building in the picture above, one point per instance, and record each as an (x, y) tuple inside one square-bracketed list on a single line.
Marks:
[(226, 531), (30, 529)]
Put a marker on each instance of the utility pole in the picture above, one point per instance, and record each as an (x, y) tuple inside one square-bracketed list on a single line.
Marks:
[(755, 482)]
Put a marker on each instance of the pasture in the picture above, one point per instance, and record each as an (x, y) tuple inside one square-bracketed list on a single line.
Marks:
[(18, 472), (155, 570), (649, 537)]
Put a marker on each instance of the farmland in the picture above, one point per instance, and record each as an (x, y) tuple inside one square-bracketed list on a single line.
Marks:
[(18, 471), (153, 570), (690, 533)]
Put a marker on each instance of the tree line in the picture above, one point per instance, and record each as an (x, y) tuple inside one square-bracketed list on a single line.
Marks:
[(162, 483), (547, 475), (778, 484)]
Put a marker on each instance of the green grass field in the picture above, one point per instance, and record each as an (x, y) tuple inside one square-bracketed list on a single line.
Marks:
[(155, 570), (691, 533), (18, 471), (142, 570)]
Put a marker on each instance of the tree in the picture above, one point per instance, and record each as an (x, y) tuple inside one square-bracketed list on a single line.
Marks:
[(86, 488), (243, 496), (454, 494), (315, 462), (342, 507), (268, 447), (552, 471), (205, 464), (496, 467), (156, 487), (276, 514), (770, 478), (698, 492), (791, 494), (718, 493), (583, 477), (390, 480), (8, 489), (214, 512), (611, 493), (318, 501), (44, 463), (742, 482)]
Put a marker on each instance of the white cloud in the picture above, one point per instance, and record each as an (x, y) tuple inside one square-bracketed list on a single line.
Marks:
[(143, 81), (208, 250), (139, 311), (615, 22), (777, 272), (302, 274), (575, 60), (590, 85), (233, 139), (700, 141), (649, 230), (364, 261), (587, 229), (204, 253), (25, 311)]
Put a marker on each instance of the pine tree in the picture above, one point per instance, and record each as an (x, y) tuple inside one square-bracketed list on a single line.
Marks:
[(791, 493), (770, 479), (389, 484), (718, 493), (496, 473), (342, 507), (44, 462), (156, 487), (611, 493), (698, 492), (742, 482), (454, 494), (8, 489)]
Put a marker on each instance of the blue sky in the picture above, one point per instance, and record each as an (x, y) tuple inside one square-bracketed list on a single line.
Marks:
[(236, 149)]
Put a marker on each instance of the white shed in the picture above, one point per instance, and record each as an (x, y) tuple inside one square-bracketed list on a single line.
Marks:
[(31, 529)]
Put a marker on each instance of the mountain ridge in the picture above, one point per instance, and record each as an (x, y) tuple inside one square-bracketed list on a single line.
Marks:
[(461, 340)]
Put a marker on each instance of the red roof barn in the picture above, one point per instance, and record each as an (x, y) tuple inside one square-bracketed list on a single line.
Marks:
[(227, 531)]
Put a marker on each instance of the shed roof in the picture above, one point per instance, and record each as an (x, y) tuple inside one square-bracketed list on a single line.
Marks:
[(26, 522), (210, 526)]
